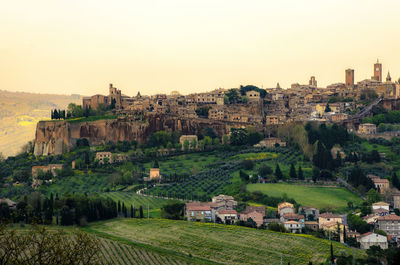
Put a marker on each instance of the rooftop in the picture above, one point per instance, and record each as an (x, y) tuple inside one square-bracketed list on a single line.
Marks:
[(329, 215), (390, 217)]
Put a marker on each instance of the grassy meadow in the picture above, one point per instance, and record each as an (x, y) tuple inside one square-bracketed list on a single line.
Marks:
[(220, 244), (329, 198)]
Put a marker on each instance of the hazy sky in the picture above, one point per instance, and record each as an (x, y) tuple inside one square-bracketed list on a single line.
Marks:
[(78, 46)]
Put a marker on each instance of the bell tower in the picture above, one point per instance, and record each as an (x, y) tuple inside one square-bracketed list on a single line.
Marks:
[(377, 71), (350, 78)]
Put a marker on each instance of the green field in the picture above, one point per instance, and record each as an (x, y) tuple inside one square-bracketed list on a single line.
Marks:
[(131, 198), (329, 198), (188, 163), (221, 244)]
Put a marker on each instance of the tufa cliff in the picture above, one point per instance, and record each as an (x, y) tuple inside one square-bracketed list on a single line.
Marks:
[(57, 137)]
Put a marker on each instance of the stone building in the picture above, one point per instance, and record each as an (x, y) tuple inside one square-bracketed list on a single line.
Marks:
[(253, 96), (389, 223), (396, 200), (103, 157), (227, 216), (371, 239), (255, 215), (154, 173), (224, 202), (285, 207), (270, 142), (367, 128), (382, 185), (329, 218), (50, 167), (189, 138)]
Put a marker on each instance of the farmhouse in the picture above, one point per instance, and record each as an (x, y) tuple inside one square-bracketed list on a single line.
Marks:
[(292, 217), (200, 212), (329, 218), (293, 226), (312, 225), (50, 167), (224, 202), (380, 205), (270, 142), (189, 138), (371, 239), (255, 214), (283, 205), (382, 185), (227, 216), (311, 213), (103, 157)]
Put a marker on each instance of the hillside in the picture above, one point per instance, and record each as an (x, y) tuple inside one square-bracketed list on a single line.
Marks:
[(19, 113), (328, 198), (218, 243)]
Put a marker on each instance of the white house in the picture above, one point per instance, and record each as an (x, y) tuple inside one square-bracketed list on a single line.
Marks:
[(371, 239), (293, 226), (383, 205)]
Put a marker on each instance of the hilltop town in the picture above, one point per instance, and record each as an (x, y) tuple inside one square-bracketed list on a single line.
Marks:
[(322, 162), (252, 105)]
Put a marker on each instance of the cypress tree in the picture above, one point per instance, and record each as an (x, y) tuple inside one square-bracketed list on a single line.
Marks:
[(300, 173), (293, 174), (132, 213), (278, 172), (332, 257), (141, 211), (52, 114), (344, 235), (124, 210), (119, 207), (395, 181)]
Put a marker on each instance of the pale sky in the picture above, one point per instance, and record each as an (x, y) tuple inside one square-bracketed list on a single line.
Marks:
[(80, 46)]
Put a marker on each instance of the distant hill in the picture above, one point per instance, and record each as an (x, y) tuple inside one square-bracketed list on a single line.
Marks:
[(19, 113)]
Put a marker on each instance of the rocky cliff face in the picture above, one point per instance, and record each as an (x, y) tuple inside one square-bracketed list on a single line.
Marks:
[(57, 137)]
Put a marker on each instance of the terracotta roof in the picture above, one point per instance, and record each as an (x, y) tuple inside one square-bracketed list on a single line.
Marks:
[(390, 217), (210, 204), (198, 208), (369, 216), (366, 234), (311, 222), (250, 212), (227, 212), (380, 210), (293, 216), (292, 222), (329, 215)]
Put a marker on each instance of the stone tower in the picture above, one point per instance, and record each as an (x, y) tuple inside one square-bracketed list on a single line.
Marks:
[(349, 78), (313, 81), (388, 77), (377, 71), (116, 95)]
